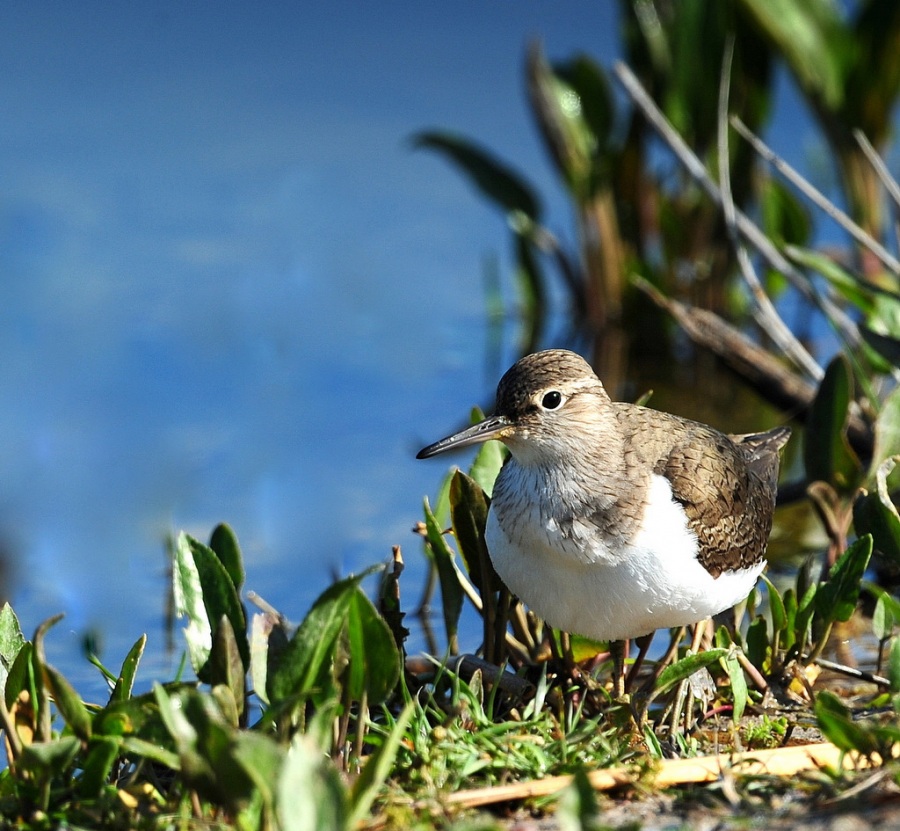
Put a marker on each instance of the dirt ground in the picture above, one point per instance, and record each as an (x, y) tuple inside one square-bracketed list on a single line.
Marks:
[(877, 807)]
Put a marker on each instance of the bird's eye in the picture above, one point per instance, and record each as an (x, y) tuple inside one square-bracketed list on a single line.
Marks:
[(551, 400)]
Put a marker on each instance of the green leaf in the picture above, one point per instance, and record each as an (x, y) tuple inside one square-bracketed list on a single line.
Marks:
[(883, 618), (225, 666), (451, 590), (811, 39), (374, 660), (261, 759), (684, 668), (468, 511), (102, 752), (847, 284), (21, 675), (125, 681), (826, 453), (887, 431), (776, 606), (269, 637), (558, 108), (894, 666), (487, 462), (739, 691), (377, 769), (204, 592), (153, 752), (784, 218), (577, 809), (838, 727), (69, 703), (49, 758), (757, 643), (494, 179), (311, 796), (305, 667), (876, 514), (836, 598), (11, 641), (224, 543)]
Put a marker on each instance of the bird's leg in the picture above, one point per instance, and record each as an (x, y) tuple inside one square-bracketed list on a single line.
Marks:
[(617, 651), (684, 699), (643, 644)]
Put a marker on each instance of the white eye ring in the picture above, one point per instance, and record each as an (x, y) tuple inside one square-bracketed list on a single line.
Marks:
[(551, 400)]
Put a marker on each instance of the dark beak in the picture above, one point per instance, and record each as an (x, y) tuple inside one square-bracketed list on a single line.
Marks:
[(494, 427)]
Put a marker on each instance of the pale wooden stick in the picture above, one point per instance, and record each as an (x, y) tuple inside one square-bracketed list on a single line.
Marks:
[(781, 761)]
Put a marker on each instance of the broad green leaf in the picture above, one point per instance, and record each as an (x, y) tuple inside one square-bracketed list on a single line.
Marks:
[(374, 660), (847, 284), (558, 108), (876, 514), (225, 666), (805, 610), (225, 544), (826, 453), (269, 637), (492, 177), (757, 643), (11, 641), (47, 758), (197, 568), (310, 794), (894, 666), (261, 759), (40, 694), (784, 218), (887, 431), (487, 462), (377, 769), (531, 281), (887, 610), (809, 37), (684, 668), (738, 686), (125, 682), (21, 675), (69, 703), (776, 606), (151, 751), (789, 635), (451, 591), (98, 761), (883, 618), (305, 667), (589, 81), (206, 746), (188, 597), (469, 510), (836, 598), (838, 727), (577, 808)]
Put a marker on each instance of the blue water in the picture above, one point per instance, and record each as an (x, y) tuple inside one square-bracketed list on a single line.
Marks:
[(229, 289)]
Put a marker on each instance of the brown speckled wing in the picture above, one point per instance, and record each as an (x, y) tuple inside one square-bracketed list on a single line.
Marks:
[(726, 484)]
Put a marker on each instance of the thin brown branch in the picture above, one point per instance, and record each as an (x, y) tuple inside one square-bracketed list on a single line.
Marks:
[(766, 315), (865, 239), (749, 230), (890, 183), (755, 365)]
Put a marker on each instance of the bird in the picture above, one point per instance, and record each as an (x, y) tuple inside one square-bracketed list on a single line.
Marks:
[(612, 520)]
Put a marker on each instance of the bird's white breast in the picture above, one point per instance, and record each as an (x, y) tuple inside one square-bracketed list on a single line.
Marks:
[(652, 581)]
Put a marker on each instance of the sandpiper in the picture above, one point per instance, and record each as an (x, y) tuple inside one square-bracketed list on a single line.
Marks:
[(611, 520)]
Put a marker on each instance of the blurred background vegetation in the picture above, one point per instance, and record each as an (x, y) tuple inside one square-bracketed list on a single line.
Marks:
[(686, 229)]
